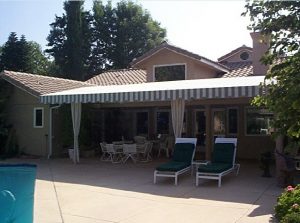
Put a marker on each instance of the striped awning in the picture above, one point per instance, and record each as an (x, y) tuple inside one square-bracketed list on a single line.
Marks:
[(160, 91)]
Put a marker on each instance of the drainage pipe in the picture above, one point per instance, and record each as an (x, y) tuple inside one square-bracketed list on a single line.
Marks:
[(50, 130)]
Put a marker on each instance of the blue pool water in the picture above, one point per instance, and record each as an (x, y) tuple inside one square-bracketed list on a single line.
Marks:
[(17, 182)]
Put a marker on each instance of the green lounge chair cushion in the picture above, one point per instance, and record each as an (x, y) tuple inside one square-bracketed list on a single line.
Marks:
[(223, 153), (183, 152), (214, 167), (172, 166)]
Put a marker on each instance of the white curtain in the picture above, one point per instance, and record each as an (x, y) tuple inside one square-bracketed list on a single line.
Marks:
[(177, 109), (76, 117)]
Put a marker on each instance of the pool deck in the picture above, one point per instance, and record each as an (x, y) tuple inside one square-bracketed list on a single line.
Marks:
[(101, 192)]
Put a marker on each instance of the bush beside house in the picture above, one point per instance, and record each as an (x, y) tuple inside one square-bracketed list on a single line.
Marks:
[(287, 209)]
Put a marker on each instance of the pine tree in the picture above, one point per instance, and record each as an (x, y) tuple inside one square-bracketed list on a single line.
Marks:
[(10, 54), (70, 40), (21, 55)]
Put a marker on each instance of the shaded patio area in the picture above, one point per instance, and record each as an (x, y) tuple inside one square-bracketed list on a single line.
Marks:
[(95, 191)]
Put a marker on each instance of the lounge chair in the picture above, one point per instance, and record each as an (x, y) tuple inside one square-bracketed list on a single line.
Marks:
[(184, 152), (222, 163)]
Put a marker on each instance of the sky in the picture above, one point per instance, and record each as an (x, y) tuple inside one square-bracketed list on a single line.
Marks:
[(208, 28)]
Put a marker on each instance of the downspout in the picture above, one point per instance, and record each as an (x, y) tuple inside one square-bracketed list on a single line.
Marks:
[(50, 130)]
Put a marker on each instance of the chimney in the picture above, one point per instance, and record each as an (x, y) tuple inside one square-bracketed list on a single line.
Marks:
[(260, 46)]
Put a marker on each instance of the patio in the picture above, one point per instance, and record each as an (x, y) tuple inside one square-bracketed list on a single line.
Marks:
[(95, 191)]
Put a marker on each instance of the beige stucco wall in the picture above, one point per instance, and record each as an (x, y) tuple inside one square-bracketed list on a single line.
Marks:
[(31, 140), (194, 69)]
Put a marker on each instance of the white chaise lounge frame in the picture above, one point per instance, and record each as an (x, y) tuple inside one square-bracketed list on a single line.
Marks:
[(176, 174), (218, 176)]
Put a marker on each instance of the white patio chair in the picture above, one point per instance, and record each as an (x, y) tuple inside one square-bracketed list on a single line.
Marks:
[(129, 151), (144, 152), (105, 155), (163, 146), (115, 156)]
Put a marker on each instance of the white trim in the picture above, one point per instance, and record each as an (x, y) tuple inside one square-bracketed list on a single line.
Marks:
[(231, 55), (34, 117), (169, 65)]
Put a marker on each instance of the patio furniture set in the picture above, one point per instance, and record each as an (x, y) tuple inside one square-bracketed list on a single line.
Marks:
[(182, 161), (121, 151)]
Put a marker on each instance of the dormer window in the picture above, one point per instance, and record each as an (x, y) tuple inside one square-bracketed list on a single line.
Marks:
[(172, 72), (244, 56)]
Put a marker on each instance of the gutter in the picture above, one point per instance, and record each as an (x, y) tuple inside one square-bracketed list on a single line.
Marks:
[(50, 129)]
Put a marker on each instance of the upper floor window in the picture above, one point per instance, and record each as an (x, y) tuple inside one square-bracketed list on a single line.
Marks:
[(38, 117), (169, 72)]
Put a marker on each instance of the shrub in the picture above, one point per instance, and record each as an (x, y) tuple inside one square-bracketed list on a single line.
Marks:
[(291, 218), (288, 205)]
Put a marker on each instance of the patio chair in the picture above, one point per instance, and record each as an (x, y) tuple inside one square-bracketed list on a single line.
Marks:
[(115, 155), (129, 151), (164, 146), (184, 151), (144, 152), (105, 155), (222, 163)]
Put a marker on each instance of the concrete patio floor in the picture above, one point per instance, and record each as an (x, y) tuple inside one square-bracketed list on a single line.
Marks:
[(101, 192)]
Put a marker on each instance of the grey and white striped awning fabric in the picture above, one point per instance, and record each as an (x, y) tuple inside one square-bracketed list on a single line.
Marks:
[(160, 91)]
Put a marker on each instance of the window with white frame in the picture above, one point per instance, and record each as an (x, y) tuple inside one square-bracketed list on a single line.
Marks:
[(38, 117), (258, 121), (169, 72)]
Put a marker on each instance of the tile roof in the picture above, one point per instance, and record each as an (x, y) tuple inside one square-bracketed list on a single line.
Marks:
[(38, 85), (119, 77), (239, 69), (166, 45), (244, 47)]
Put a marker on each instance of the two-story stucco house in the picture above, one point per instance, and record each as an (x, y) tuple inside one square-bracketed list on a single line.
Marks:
[(214, 96)]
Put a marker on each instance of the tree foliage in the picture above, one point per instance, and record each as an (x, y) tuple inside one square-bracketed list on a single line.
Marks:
[(70, 40), (85, 43), (22, 55), (281, 22), (123, 33)]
